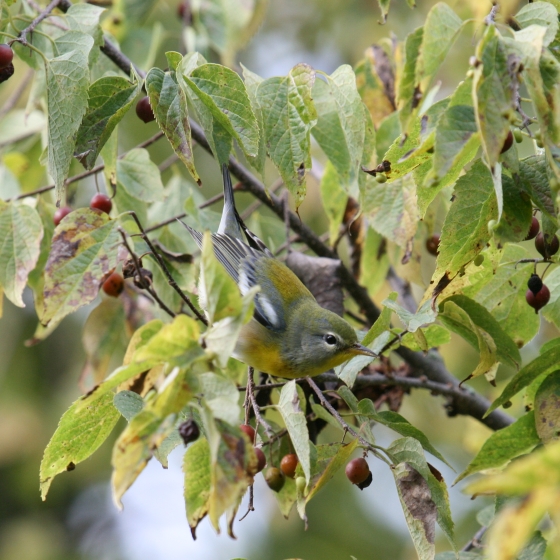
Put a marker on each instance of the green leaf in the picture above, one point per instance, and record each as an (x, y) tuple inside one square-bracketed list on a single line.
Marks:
[(331, 466), (289, 116), (507, 350), (435, 336), (374, 264), (547, 406), (83, 253), (551, 311), (294, 419), (413, 321), (440, 30), (128, 403), (545, 363), (406, 97), (232, 457), (493, 93), (67, 101), (539, 13), (363, 421), (134, 448), (535, 181), (458, 320), (392, 209), (103, 336), (423, 494), (177, 341), (252, 82), (399, 424), (21, 231), (79, 434), (517, 212), (197, 470), (504, 445), (340, 127), (504, 296), (465, 230), (334, 200), (169, 104), (221, 396), (223, 93), (140, 176), (535, 548), (109, 100)]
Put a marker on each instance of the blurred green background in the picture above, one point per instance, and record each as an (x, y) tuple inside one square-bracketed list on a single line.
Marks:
[(38, 383)]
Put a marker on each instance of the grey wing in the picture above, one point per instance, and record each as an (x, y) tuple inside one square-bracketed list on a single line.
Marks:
[(240, 262)]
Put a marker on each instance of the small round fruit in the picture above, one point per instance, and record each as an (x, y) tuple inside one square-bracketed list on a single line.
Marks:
[(6, 73), (357, 470), (288, 465), (144, 110), (478, 260), (366, 482), (300, 484), (381, 178), (261, 459), (249, 430), (184, 11), (6, 55), (535, 283), (274, 478), (114, 285), (101, 202), (432, 245), (189, 431), (539, 300), (145, 281), (60, 213), (508, 143), (547, 245), (518, 135), (533, 229)]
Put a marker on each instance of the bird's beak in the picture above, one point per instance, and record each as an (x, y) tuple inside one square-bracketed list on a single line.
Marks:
[(362, 350)]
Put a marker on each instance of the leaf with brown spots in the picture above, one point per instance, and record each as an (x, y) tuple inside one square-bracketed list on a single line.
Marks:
[(83, 252)]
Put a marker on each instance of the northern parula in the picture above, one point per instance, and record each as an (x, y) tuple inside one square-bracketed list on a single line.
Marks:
[(290, 334)]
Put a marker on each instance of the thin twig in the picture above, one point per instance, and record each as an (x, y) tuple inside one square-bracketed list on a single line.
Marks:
[(145, 282), (326, 404), (256, 409), (165, 270), (22, 37), (475, 542)]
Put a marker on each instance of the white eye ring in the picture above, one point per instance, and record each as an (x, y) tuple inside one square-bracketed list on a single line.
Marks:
[(330, 339)]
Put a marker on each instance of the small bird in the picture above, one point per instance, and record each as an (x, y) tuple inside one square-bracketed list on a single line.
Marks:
[(290, 334)]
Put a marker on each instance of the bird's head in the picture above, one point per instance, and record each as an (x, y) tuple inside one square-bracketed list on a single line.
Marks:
[(321, 340)]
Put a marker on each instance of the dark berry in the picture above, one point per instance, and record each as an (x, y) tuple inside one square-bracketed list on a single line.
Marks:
[(508, 142), (274, 478), (539, 300), (101, 202), (535, 283), (533, 229), (6, 73), (432, 245), (189, 431), (366, 482), (146, 280), (6, 56), (288, 465), (61, 213), (249, 430), (547, 245), (184, 12), (144, 110), (114, 285), (261, 459), (357, 470)]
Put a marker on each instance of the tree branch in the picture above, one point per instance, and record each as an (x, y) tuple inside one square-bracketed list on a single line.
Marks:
[(22, 37)]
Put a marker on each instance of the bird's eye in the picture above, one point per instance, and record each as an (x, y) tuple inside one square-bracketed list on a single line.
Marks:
[(330, 339)]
